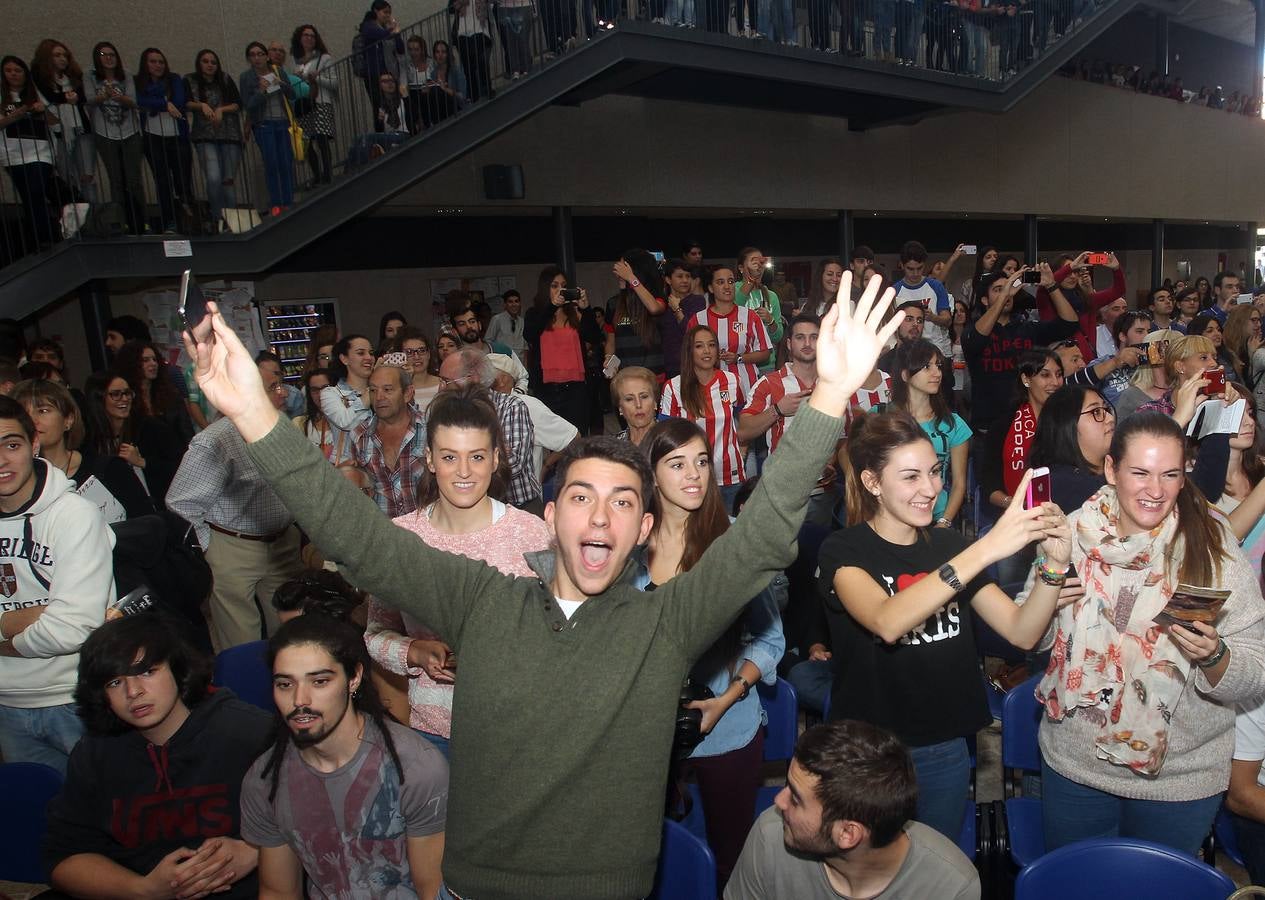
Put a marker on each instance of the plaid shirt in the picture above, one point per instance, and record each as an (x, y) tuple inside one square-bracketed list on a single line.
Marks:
[(394, 489)]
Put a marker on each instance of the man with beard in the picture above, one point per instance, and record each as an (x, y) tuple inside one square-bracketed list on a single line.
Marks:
[(345, 796), (469, 327), (843, 827)]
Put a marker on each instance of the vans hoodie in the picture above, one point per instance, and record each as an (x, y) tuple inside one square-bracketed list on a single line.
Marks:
[(134, 802), (55, 552)]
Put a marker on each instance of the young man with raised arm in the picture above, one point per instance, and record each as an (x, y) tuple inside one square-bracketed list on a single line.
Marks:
[(570, 681)]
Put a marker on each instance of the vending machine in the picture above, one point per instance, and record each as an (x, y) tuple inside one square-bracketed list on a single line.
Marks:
[(288, 330)]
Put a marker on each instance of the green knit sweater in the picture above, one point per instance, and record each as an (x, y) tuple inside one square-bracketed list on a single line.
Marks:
[(561, 730)]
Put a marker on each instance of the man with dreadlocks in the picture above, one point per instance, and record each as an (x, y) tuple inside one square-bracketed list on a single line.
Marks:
[(346, 796)]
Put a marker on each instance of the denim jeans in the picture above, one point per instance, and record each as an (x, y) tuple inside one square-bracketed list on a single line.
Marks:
[(1074, 812), (781, 20), (273, 138), (884, 18), (219, 165), (812, 680), (517, 25), (122, 163), (976, 48), (45, 735), (441, 743), (944, 782)]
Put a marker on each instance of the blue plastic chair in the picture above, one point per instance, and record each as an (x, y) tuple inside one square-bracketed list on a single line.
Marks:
[(781, 705), (764, 798), (27, 789), (244, 670), (1227, 841), (687, 868), (1021, 717), (1111, 868)]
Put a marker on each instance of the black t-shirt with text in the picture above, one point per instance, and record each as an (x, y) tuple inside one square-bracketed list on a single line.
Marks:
[(926, 688)]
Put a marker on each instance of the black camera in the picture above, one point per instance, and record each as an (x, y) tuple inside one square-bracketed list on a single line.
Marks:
[(689, 722)]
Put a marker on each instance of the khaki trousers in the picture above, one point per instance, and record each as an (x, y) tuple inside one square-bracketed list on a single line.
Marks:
[(247, 574)]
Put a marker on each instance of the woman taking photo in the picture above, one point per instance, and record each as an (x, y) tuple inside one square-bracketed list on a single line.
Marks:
[(917, 392), (636, 312), (160, 96), (691, 514), (1141, 748), (561, 330), (422, 363), (111, 99), (459, 510), (635, 392), (315, 66), (1207, 326), (1185, 362), (710, 397), (267, 95), (155, 393), (116, 429), (58, 77), (900, 596), (346, 403), (215, 127), (26, 146)]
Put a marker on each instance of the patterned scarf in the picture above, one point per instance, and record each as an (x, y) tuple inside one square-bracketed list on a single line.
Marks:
[(1111, 664)]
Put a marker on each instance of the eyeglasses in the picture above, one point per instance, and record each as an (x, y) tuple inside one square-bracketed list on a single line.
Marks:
[(1100, 413), (126, 394), (445, 382), (417, 351)]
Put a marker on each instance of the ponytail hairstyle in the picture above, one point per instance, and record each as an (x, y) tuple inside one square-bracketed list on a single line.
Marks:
[(469, 406), (872, 440), (1203, 541), (346, 644), (692, 396)]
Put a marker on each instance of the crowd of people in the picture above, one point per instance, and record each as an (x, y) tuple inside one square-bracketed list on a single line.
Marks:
[(492, 618), (1131, 78)]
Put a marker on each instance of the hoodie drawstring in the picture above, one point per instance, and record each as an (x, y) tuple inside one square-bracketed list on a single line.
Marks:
[(158, 757)]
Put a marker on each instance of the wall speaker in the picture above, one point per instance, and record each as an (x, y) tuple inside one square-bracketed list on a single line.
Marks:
[(503, 182)]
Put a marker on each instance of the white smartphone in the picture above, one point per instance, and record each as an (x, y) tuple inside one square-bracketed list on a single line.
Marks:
[(969, 249)]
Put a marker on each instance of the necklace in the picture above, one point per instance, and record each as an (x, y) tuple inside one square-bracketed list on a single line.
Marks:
[(65, 467)]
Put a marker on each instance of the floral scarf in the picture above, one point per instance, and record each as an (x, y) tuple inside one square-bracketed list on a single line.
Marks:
[(1111, 664)]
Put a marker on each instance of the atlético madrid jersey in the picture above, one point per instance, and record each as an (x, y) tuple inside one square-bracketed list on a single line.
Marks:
[(723, 395)]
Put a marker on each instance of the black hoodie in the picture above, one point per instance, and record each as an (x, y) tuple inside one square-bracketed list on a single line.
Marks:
[(135, 802)]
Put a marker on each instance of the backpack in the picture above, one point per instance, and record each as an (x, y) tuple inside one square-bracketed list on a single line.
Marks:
[(359, 60)]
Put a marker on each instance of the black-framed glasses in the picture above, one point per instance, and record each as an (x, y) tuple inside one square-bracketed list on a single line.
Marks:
[(125, 394), (416, 351), (1100, 413)]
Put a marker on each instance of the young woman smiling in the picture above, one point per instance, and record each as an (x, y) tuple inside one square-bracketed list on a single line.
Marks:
[(899, 598), (118, 431), (457, 511), (346, 404), (415, 346), (1141, 747), (691, 514), (709, 396)]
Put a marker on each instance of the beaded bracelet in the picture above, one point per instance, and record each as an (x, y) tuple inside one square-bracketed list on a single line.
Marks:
[(1052, 577)]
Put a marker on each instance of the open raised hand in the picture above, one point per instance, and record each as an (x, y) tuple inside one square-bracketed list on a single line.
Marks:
[(850, 343)]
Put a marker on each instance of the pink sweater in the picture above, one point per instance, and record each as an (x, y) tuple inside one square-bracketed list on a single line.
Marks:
[(389, 633)]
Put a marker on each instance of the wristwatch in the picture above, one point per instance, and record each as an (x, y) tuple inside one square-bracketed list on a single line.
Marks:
[(950, 577), (738, 357)]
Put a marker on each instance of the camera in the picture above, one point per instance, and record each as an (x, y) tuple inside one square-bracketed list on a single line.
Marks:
[(569, 295)]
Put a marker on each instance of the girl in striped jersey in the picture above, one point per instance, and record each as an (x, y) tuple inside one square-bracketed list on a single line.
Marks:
[(711, 397)]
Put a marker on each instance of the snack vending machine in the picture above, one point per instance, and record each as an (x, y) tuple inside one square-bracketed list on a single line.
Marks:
[(288, 329)]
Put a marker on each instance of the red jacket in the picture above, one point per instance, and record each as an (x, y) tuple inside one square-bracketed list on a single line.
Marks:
[(1085, 336)]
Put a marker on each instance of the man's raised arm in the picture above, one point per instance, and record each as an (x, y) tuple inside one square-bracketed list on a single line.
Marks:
[(377, 556)]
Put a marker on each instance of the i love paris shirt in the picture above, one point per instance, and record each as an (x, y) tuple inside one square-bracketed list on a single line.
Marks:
[(926, 687)]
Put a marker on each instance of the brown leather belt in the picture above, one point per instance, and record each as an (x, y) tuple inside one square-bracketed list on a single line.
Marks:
[(262, 538)]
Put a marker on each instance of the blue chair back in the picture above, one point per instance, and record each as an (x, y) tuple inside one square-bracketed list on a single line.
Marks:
[(765, 796), (27, 789), (1020, 719), (687, 868), (244, 670), (1111, 868), (781, 705)]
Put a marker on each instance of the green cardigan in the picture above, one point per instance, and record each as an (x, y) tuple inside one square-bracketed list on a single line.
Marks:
[(561, 729)]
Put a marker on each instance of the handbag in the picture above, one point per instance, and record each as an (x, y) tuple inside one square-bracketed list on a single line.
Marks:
[(296, 130)]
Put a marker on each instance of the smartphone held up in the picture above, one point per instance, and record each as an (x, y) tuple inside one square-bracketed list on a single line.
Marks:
[(1038, 488), (192, 302)]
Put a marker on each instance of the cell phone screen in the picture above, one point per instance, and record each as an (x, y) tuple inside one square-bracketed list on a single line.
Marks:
[(192, 302)]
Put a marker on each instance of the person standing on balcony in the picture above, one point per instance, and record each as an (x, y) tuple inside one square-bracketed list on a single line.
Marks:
[(315, 66), (60, 80), (112, 98), (446, 85), (380, 33), (26, 147), (265, 92), (160, 96), (214, 108), (473, 37)]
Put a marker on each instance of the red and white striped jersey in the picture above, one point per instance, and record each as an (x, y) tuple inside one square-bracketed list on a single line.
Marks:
[(769, 390), (741, 331), (865, 399), (724, 395)]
